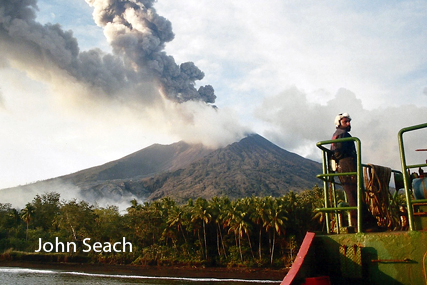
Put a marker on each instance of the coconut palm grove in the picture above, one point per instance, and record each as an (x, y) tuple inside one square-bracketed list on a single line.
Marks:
[(251, 232)]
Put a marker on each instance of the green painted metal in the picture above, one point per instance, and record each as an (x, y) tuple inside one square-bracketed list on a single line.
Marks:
[(350, 257), (372, 258), (405, 169)]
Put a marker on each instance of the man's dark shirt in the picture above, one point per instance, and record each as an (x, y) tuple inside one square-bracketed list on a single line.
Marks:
[(342, 150)]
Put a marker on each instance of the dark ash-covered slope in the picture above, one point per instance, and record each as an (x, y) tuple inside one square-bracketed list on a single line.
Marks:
[(252, 166), (147, 162)]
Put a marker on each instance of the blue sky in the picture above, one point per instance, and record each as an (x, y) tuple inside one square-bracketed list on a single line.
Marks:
[(283, 69)]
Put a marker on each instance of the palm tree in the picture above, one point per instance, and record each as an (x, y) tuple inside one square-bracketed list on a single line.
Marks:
[(218, 207), (247, 209), (233, 221), (312, 199), (27, 215), (276, 218), (175, 219), (168, 204), (134, 206), (201, 213), (259, 216), (238, 223)]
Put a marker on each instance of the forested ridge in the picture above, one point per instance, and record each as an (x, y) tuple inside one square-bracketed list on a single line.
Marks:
[(252, 231)]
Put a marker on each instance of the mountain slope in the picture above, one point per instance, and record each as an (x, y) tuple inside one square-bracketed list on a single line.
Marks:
[(253, 166), (143, 163)]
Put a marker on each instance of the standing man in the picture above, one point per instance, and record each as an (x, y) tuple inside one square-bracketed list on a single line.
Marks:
[(345, 155)]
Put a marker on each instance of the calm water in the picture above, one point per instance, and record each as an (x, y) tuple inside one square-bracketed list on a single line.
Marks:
[(13, 275)]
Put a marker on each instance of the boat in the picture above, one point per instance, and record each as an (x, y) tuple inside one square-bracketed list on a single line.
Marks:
[(343, 253)]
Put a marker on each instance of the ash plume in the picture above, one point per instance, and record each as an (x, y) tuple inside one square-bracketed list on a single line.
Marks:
[(137, 35)]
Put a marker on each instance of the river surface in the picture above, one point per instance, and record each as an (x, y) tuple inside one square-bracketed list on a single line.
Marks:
[(16, 275)]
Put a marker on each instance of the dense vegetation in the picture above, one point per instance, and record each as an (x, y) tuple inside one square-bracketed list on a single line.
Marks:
[(252, 231)]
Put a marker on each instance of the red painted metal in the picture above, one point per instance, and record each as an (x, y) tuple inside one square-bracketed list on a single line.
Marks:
[(321, 280), (299, 260)]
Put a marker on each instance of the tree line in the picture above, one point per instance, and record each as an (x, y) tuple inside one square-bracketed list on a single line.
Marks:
[(252, 231)]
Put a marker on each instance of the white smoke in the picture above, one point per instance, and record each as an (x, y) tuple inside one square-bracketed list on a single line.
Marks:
[(19, 196), (195, 122)]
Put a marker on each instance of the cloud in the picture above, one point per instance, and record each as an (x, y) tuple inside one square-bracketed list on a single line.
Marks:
[(373, 49), (298, 124)]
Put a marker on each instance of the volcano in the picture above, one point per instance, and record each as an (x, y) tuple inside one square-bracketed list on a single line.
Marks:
[(252, 166)]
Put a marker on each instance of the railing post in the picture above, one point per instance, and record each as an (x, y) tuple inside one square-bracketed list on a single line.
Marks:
[(325, 189), (360, 187)]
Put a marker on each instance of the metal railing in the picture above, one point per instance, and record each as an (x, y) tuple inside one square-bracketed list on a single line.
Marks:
[(405, 170), (328, 178), (329, 182)]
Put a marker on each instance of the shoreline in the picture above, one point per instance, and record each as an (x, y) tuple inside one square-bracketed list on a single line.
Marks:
[(156, 271)]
